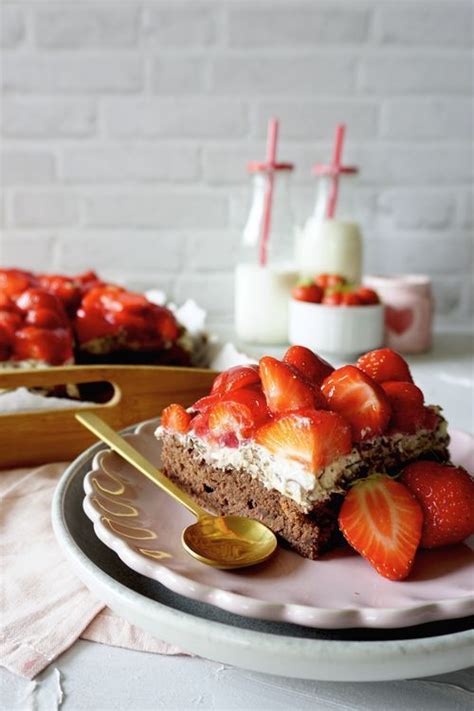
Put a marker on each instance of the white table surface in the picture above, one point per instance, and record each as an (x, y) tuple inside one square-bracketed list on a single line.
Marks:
[(98, 678)]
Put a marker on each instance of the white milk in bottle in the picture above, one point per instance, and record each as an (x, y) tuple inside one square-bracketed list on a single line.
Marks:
[(263, 282), (331, 245)]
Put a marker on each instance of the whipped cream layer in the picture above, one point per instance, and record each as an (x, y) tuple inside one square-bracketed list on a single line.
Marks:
[(292, 479)]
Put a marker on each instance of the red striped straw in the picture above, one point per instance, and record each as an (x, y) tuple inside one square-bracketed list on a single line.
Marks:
[(336, 165), (272, 139)]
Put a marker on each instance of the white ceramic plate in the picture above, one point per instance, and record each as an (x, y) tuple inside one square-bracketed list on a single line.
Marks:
[(143, 526), (272, 647)]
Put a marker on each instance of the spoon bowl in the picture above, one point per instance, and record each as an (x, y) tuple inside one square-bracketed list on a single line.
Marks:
[(229, 541), (219, 541)]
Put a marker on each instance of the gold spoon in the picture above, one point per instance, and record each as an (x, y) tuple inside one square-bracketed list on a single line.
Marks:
[(220, 541)]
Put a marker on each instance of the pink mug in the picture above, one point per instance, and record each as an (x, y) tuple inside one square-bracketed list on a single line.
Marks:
[(408, 310)]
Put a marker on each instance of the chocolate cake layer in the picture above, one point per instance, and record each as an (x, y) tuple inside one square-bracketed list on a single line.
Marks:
[(235, 492)]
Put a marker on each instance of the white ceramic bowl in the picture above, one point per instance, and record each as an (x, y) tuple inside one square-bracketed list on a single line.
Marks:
[(343, 330)]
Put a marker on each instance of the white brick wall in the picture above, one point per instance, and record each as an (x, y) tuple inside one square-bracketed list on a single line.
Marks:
[(127, 125)]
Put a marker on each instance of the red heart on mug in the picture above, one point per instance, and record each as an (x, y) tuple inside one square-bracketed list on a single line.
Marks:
[(398, 320)]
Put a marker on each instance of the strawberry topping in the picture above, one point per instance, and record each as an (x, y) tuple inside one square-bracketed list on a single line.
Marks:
[(310, 365), (241, 376), (66, 289), (174, 418), (315, 438), (230, 422), (431, 418), (284, 387), (361, 400), (15, 281), (406, 401), (111, 311), (385, 364), (382, 520), (52, 346)]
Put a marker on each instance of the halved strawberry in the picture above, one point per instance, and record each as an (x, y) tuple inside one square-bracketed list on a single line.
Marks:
[(45, 318), (53, 346), (39, 299), (315, 438), (284, 387), (63, 287), (7, 303), (200, 424), (14, 281), (385, 364), (406, 401), (204, 403), (5, 343), (230, 422), (431, 419), (252, 397), (382, 520), (11, 321), (361, 400), (310, 365), (165, 322), (240, 376), (175, 419)]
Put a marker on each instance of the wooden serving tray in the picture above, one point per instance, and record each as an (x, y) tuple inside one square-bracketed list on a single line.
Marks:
[(140, 393)]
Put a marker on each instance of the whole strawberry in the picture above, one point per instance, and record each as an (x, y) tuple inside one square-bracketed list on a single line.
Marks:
[(446, 495)]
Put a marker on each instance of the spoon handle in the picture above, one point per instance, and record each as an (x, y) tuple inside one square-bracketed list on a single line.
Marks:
[(105, 433)]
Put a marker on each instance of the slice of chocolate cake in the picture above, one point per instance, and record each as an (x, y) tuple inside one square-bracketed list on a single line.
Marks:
[(261, 444)]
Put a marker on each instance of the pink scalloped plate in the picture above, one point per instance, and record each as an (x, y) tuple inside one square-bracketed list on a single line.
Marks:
[(143, 526)]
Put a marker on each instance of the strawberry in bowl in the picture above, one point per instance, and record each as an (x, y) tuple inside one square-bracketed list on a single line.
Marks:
[(332, 316)]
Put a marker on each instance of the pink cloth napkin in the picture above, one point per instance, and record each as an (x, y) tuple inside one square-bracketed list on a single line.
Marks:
[(44, 607)]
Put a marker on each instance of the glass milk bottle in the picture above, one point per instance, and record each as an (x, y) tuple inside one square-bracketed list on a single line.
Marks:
[(266, 273), (332, 245)]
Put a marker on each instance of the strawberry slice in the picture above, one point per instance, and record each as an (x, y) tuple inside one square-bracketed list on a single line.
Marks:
[(382, 520), (174, 418), (406, 401), (315, 438), (230, 422), (310, 365), (284, 388), (385, 364), (359, 399), (240, 376)]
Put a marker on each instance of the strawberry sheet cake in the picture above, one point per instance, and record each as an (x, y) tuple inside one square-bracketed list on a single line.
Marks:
[(58, 320), (284, 441)]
